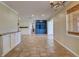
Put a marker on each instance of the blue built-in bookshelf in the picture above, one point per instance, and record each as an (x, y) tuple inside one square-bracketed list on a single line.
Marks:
[(41, 27)]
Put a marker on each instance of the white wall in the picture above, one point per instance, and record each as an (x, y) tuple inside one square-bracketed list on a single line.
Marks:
[(70, 42), (50, 33), (8, 19), (8, 23), (26, 31), (24, 23), (50, 29), (50, 26)]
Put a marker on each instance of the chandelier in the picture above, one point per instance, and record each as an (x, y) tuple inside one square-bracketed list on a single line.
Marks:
[(56, 4)]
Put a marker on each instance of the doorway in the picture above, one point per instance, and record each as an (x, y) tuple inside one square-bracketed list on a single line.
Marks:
[(41, 27)]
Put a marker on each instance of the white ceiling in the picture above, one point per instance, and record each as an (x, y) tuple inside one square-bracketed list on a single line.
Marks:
[(39, 9)]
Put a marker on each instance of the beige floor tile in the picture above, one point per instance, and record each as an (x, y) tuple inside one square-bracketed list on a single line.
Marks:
[(37, 46)]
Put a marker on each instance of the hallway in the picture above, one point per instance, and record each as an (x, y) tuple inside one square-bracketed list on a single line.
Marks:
[(36, 46), (56, 34)]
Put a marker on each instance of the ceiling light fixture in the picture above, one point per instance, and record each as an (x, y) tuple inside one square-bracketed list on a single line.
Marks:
[(32, 15), (42, 15), (56, 4)]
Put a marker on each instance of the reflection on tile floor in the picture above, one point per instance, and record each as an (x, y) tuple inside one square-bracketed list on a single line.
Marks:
[(38, 46)]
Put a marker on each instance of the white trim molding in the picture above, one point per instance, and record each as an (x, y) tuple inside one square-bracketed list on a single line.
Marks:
[(67, 48)]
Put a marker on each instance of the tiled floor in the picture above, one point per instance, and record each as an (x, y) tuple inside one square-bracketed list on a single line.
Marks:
[(38, 46)]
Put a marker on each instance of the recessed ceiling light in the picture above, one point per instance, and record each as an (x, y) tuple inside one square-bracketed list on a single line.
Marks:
[(42, 15), (32, 15)]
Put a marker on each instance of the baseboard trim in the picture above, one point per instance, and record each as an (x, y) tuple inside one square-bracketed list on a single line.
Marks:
[(67, 48), (3, 55)]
